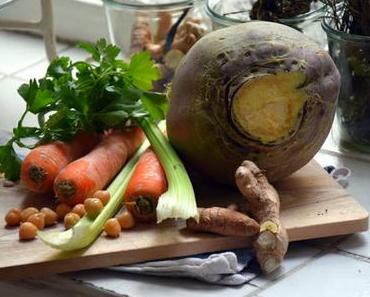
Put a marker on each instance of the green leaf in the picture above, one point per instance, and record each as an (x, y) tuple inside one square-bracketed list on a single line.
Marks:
[(24, 132), (143, 71), (111, 52), (59, 67), (91, 49), (41, 100), (156, 104), (28, 91), (113, 118), (10, 164)]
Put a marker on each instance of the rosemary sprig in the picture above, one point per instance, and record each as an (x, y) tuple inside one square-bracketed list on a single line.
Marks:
[(350, 16)]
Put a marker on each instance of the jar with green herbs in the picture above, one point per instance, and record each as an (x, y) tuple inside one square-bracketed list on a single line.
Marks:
[(303, 15), (351, 54), (167, 29)]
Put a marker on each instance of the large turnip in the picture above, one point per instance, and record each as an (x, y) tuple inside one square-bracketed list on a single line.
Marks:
[(259, 91)]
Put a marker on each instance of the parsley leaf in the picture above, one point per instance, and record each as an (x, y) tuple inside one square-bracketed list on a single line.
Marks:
[(143, 71), (10, 164), (74, 96)]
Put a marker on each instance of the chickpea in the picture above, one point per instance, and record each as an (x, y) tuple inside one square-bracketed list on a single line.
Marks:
[(50, 216), (38, 219), (27, 212), (112, 227), (62, 209), (103, 196), (93, 207), (17, 210), (13, 218), (27, 231), (71, 219), (79, 209), (126, 220)]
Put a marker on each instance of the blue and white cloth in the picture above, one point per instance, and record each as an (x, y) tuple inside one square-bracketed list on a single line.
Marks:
[(231, 268)]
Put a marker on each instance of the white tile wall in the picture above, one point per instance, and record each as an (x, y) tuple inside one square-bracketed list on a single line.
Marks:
[(21, 50), (297, 255), (39, 69), (332, 275), (11, 104)]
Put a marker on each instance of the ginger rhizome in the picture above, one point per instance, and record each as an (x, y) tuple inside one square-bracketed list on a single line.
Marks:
[(224, 221), (263, 202)]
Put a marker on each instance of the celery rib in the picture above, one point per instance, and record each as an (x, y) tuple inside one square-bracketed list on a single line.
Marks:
[(179, 201)]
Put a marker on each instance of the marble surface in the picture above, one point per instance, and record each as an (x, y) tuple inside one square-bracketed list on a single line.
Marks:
[(328, 267)]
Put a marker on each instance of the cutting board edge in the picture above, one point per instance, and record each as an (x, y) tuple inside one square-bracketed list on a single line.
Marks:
[(347, 228), (40, 269)]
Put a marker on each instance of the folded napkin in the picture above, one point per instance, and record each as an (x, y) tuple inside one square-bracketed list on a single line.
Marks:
[(232, 268)]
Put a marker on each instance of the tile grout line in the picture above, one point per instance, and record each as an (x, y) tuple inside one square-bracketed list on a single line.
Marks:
[(320, 254), (353, 255)]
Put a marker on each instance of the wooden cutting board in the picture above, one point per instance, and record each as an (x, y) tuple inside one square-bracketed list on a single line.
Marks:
[(313, 206)]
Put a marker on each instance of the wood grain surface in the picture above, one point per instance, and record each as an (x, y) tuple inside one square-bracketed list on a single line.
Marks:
[(313, 205)]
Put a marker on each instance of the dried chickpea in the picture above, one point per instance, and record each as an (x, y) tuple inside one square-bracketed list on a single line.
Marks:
[(126, 220), (71, 219), (62, 209), (93, 207), (27, 231), (38, 219), (17, 210), (79, 209), (112, 227), (50, 216), (103, 196), (13, 218), (27, 212)]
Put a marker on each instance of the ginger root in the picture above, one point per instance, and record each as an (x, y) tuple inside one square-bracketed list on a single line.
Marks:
[(224, 221), (263, 201)]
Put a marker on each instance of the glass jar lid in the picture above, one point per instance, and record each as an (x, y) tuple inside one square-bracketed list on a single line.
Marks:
[(150, 4)]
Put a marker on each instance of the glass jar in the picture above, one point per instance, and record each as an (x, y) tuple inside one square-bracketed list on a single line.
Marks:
[(224, 13), (167, 29), (351, 54), (144, 25)]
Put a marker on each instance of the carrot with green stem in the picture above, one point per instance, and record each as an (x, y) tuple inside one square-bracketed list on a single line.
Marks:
[(43, 163), (146, 185), (83, 177)]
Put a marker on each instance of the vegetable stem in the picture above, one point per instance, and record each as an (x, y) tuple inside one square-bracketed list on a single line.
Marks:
[(179, 200)]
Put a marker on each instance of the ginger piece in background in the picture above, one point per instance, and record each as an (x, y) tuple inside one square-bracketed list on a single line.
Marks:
[(187, 35), (164, 25), (223, 221), (141, 39), (263, 201)]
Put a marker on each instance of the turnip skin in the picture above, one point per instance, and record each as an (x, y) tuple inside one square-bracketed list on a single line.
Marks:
[(199, 121)]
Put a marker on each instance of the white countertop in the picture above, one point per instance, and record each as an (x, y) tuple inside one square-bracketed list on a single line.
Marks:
[(337, 267)]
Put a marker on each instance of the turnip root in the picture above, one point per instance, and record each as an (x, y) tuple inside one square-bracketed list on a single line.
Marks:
[(259, 91), (263, 204)]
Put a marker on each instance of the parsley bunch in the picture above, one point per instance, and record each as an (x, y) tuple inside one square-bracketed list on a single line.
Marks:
[(93, 97)]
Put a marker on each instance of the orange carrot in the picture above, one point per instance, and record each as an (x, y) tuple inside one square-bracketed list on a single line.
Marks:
[(147, 184), (43, 163), (82, 178)]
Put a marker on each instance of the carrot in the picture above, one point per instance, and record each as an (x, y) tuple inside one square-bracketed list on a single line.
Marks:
[(147, 183), (82, 178), (43, 163)]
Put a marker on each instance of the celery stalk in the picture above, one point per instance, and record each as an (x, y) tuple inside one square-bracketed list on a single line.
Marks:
[(87, 230), (179, 200)]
